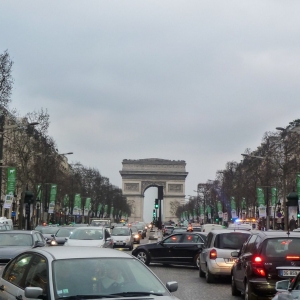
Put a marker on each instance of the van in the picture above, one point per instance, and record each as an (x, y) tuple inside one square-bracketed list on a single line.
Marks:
[(8, 222), (209, 227)]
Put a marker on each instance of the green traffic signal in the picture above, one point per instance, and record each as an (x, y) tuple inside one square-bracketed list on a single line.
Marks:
[(298, 215)]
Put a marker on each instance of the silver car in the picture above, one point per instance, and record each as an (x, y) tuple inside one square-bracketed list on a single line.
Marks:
[(83, 273), (90, 236), (215, 258), (122, 237)]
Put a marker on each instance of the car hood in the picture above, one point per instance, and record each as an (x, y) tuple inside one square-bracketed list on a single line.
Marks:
[(10, 252), (87, 243)]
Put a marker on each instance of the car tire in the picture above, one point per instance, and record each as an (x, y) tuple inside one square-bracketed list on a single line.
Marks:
[(234, 290), (201, 273), (248, 292), (209, 277), (143, 256), (197, 260)]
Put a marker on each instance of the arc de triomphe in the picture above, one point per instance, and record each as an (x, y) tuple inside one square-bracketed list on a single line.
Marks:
[(138, 175)]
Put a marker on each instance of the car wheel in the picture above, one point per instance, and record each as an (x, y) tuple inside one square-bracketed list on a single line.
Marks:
[(234, 290), (197, 260), (144, 257), (248, 292), (201, 273), (209, 277)]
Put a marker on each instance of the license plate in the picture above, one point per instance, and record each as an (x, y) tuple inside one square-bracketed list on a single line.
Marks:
[(119, 243), (230, 260), (289, 272)]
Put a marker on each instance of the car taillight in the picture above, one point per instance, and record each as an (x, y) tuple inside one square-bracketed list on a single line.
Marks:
[(213, 254), (257, 266), (293, 257)]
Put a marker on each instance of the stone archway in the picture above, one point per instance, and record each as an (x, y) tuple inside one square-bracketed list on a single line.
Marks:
[(139, 175)]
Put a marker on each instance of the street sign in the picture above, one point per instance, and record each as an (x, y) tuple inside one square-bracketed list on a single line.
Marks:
[(13, 213)]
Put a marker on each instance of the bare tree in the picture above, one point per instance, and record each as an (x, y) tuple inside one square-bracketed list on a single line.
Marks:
[(6, 80)]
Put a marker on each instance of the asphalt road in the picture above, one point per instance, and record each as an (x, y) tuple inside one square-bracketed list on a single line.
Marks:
[(190, 285)]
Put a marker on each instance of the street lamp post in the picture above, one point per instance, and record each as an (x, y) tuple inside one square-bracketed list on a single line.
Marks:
[(1, 206), (38, 205), (276, 212)]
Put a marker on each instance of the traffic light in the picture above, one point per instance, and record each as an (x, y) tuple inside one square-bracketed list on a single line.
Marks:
[(160, 192), (154, 213), (28, 197), (217, 219), (298, 215), (156, 203), (27, 209)]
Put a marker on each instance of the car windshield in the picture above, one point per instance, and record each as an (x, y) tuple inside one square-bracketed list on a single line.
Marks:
[(230, 240), (282, 247), (134, 229), (100, 276), (15, 239), (120, 231), (48, 230), (86, 234), (64, 232), (100, 223)]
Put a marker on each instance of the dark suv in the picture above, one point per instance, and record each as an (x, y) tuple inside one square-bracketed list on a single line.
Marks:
[(254, 272)]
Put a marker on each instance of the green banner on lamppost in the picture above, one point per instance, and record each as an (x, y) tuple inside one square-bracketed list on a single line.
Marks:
[(243, 204), (298, 185), (11, 180), (105, 210), (273, 196), (87, 206), (39, 192), (260, 197), (77, 205), (66, 200), (53, 192), (112, 212)]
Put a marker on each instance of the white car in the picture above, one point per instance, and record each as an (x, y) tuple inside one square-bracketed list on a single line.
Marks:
[(122, 237), (90, 236)]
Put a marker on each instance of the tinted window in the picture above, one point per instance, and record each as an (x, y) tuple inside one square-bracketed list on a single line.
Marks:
[(209, 239), (232, 240), (87, 234), (15, 239), (121, 231), (281, 247), (250, 246), (173, 239), (191, 238)]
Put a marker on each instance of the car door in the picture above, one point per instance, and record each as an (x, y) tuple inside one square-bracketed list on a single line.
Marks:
[(205, 251), (12, 281), (187, 248), (164, 252), (239, 266)]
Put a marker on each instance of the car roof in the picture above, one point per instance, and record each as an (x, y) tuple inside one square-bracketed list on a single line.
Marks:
[(81, 252), (275, 234), (89, 227), (228, 230), (19, 231)]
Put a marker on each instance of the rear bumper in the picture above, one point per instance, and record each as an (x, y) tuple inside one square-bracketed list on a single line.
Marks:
[(262, 289), (216, 269)]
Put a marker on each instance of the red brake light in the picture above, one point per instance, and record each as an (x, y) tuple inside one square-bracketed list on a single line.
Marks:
[(293, 257), (213, 254), (258, 267), (257, 259)]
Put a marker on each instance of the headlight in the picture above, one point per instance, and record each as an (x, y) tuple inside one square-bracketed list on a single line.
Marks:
[(136, 236), (53, 243)]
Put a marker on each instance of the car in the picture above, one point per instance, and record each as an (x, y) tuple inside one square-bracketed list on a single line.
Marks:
[(288, 289), (59, 238), (181, 249), (4, 227), (83, 273), (209, 227), (135, 234), (14, 242), (179, 229), (256, 271), (167, 230), (97, 236), (215, 258), (122, 237), (141, 229), (47, 232), (240, 226)]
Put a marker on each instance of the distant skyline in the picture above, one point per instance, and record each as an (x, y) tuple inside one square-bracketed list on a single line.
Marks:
[(198, 81)]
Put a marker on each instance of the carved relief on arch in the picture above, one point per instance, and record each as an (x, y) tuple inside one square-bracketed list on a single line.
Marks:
[(146, 184)]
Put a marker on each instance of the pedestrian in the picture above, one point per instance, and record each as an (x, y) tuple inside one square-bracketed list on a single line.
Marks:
[(292, 224)]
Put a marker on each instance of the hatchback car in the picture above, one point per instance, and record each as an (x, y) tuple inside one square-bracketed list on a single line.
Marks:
[(83, 273), (90, 236), (256, 271), (122, 237), (135, 234), (180, 249), (59, 238), (216, 258)]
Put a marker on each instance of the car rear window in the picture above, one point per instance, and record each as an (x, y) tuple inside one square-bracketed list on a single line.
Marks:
[(281, 247), (230, 240)]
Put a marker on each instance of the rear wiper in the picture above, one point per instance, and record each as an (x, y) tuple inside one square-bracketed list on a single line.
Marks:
[(99, 296), (129, 294)]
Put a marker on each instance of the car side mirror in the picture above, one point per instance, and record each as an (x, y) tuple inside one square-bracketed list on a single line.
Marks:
[(33, 292), (282, 285), (172, 286), (52, 235), (38, 244), (66, 238)]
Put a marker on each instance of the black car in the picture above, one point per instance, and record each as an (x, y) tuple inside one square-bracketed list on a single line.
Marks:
[(47, 231), (16, 241), (59, 238), (181, 249), (255, 271)]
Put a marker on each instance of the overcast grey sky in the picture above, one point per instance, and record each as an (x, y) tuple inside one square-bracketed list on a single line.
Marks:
[(198, 81)]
